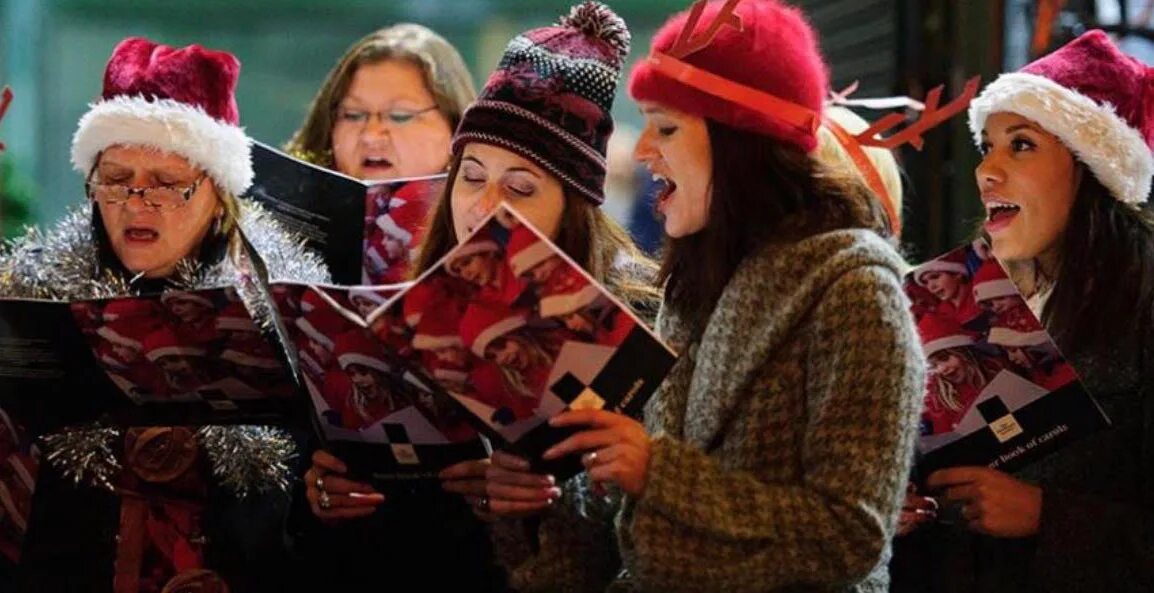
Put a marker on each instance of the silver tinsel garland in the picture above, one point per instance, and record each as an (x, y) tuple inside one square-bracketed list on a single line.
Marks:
[(61, 264)]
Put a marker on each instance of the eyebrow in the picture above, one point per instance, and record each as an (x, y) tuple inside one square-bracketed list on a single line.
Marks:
[(361, 102), (1016, 128), (509, 170), (653, 111)]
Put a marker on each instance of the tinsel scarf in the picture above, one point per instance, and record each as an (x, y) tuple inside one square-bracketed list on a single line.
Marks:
[(61, 264)]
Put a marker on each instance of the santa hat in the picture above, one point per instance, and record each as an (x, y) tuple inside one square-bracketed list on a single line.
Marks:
[(564, 303), (440, 329), (1097, 100), (551, 96), (123, 309), (128, 331), (400, 221), (321, 324), (165, 342), (235, 317), (356, 347), (526, 250), (485, 322), (473, 247), (761, 71), (1020, 332), (990, 282), (171, 295), (954, 262), (419, 298), (941, 333), (180, 101)]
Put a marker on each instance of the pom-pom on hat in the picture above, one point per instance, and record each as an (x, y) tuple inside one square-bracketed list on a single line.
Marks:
[(180, 101), (549, 100), (1097, 100)]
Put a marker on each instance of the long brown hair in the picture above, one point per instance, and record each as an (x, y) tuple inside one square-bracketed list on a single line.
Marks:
[(1106, 264), (762, 191), (445, 74), (586, 234)]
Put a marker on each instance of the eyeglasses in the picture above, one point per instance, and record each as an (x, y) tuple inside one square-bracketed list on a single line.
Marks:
[(159, 198), (394, 117)]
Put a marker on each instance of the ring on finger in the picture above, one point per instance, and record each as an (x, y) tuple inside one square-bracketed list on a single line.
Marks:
[(590, 459), (320, 483), (324, 501), (483, 504)]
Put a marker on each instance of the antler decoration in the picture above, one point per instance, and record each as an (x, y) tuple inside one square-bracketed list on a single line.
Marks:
[(5, 100), (932, 117), (687, 43), (842, 98)]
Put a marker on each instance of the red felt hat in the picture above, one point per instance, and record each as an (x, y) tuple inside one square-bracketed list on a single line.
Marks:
[(178, 100), (1096, 99), (122, 309), (485, 322), (953, 262), (940, 333), (991, 282), (774, 52), (525, 250), (165, 342), (1021, 331), (356, 347)]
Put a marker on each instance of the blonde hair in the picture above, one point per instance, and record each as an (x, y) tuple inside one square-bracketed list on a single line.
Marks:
[(445, 74), (833, 155)]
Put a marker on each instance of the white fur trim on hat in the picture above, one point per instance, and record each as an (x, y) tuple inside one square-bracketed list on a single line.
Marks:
[(248, 360), (157, 353), (314, 334), (955, 341), (939, 265), (366, 361), (1004, 336), (1098, 137), (566, 303), (529, 257), (221, 149), (993, 289), (495, 331), (392, 229), (117, 338), (431, 342)]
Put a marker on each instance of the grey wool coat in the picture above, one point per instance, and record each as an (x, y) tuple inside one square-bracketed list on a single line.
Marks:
[(782, 441)]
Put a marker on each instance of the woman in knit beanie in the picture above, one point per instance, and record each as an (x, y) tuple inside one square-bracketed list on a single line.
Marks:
[(1065, 175), (775, 455)]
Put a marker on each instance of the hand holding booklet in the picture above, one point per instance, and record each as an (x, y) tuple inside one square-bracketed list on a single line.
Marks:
[(503, 333)]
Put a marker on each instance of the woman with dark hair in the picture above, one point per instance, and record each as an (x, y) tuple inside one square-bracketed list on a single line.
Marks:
[(774, 456), (1066, 168), (535, 139), (160, 508)]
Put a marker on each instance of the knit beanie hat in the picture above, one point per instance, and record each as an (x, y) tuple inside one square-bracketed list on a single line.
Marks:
[(549, 99), (1097, 100), (760, 69)]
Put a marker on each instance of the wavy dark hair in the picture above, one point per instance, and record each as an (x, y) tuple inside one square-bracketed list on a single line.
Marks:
[(1104, 285), (763, 191)]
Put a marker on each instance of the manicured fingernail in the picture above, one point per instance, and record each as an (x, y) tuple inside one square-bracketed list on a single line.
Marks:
[(550, 480), (553, 493)]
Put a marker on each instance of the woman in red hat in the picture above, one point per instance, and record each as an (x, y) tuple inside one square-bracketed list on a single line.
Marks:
[(957, 376), (163, 159), (774, 456), (1065, 175)]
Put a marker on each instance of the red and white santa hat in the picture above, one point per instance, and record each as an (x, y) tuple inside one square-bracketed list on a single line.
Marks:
[(440, 330), (581, 295), (485, 322), (1097, 100), (175, 295), (1019, 331), (941, 333), (124, 309), (526, 250), (479, 244), (234, 317), (954, 262), (179, 101), (400, 221), (165, 342), (128, 331), (356, 347), (991, 282), (418, 300), (321, 324)]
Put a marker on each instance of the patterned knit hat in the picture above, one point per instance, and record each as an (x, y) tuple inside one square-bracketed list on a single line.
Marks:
[(550, 98)]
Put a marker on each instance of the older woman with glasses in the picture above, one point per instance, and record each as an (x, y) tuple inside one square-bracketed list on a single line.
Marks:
[(159, 508)]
